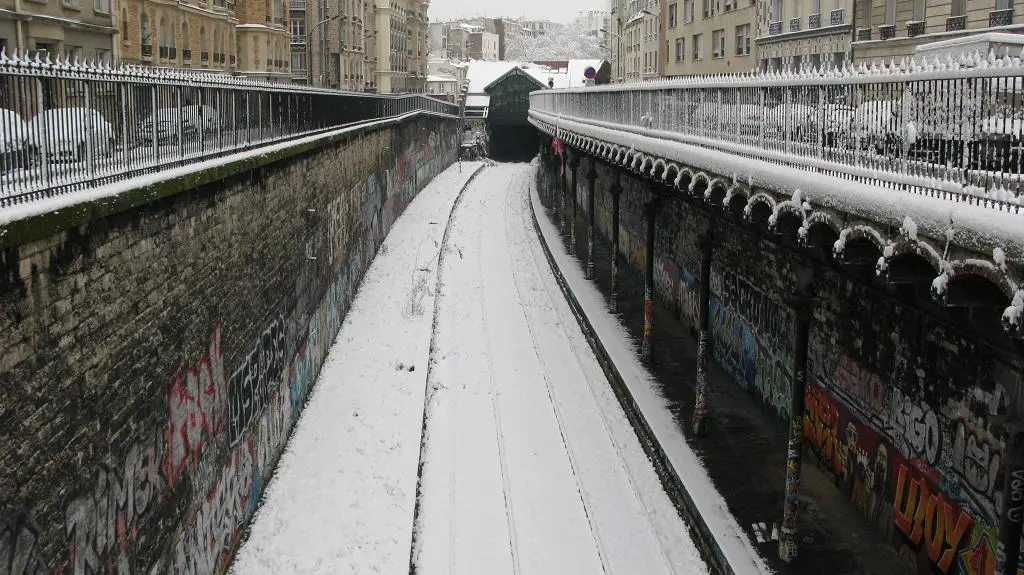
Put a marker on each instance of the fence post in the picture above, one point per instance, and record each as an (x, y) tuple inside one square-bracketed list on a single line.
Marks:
[(575, 167)]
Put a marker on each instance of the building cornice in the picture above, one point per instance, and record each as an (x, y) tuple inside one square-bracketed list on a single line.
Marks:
[(64, 22), (810, 33)]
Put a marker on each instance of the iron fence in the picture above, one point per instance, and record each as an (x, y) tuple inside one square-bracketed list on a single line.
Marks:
[(67, 127), (944, 127)]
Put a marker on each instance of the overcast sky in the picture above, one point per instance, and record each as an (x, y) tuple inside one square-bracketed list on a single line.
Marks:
[(556, 10)]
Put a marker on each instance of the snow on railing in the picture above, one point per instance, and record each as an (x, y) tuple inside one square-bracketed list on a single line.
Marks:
[(70, 125), (944, 126)]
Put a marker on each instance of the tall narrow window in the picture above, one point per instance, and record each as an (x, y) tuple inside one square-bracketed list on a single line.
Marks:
[(919, 10), (959, 8), (890, 12), (125, 38)]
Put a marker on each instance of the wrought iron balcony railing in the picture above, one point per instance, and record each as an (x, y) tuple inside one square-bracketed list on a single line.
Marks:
[(1000, 17), (955, 23), (794, 24), (945, 129), (814, 21), (774, 28), (863, 34), (887, 31), (108, 126), (915, 29), (837, 16)]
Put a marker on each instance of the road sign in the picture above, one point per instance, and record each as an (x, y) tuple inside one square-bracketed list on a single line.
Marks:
[(589, 73)]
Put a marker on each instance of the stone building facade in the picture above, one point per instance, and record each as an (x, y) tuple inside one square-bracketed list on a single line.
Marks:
[(78, 29)]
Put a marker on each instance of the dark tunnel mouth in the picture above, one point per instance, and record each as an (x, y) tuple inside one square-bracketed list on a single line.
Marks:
[(513, 143)]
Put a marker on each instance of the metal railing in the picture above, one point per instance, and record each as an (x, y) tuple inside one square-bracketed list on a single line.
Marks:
[(941, 127), (67, 127)]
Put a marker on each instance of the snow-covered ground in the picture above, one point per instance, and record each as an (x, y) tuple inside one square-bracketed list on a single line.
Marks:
[(529, 464), (341, 500)]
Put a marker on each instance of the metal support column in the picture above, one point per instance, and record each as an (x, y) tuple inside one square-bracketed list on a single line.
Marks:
[(616, 192), (575, 166), (1012, 513), (592, 177), (651, 210), (802, 304), (700, 407), (564, 177)]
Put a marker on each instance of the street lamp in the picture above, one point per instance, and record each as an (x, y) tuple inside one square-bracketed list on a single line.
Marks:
[(618, 50), (309, 49)]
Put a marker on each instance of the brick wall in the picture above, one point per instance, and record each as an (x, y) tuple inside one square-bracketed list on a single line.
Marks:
[(153, 362), (903, 407)]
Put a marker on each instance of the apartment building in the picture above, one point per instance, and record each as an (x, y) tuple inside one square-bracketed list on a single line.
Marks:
[(83, 29), (591, 22), (437, 40), (640, 41), (709, 36), (328, 43), (401, 46), (198, 36), (798, 33), (892, 29), (263, 41), (483, 46), (458, 41)]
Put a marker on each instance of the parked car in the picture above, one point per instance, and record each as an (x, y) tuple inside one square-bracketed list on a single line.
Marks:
[(174, 124), (14, 143), (69, 134), (876, 125)]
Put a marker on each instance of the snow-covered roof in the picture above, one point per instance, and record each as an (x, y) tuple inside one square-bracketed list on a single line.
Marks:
[(478, 101), (516, 70), (482, 74), (441, 78)]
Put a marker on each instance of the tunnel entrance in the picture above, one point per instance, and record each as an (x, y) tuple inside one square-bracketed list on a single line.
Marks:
[(513, 143)]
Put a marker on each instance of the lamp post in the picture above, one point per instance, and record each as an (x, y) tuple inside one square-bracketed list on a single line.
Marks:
[(618, 50), (309, 48)]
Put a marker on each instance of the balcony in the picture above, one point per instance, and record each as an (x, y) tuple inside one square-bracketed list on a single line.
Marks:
[(794, 24), (837, 16), (297, 4), (955, 23), (915, 29), (814, 21), (887, 31), (1000, 17), (863, 34), (774, 28)]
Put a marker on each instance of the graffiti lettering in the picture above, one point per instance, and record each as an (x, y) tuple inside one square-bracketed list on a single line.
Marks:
[(197, 408), (821, 428), (205, 543), (19, 550), (770, 319), (923, 516), (978, 462), (772, 382), (864, 389), (1015, 510), (105, 520), (254, 380), (915, 428)]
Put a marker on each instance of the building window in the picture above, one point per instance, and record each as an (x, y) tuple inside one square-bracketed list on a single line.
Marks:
[(72, 53), (959, 8), (709, 8), (672, 16), (298, 26), (890, 12), (919, 10), (687, 11), (103, 57), (718, 43), (101, 6), (680, 50), (775, 11), (145, 34), (298, 62), (743, 40), (697, 41)]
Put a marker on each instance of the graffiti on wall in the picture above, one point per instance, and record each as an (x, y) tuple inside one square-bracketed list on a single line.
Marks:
[(197, 406), (224, 434), (19, 546), (102, 524)]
